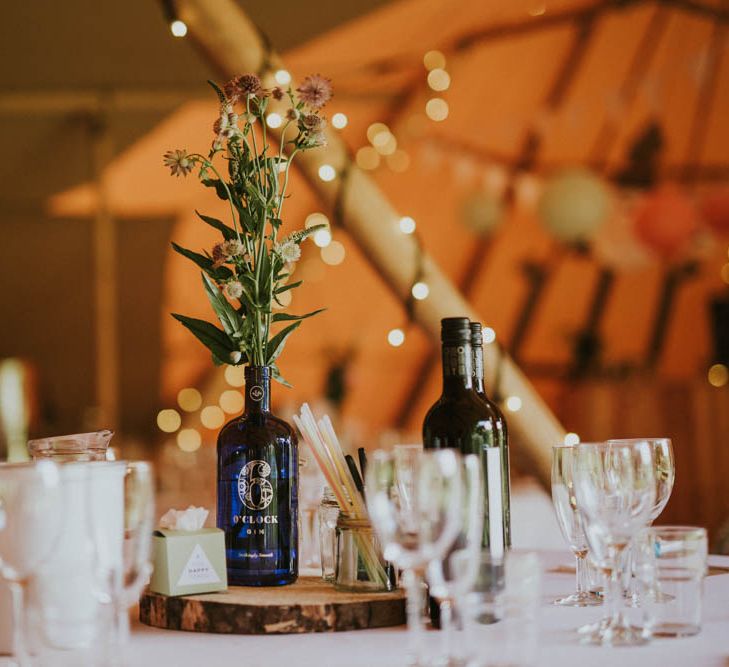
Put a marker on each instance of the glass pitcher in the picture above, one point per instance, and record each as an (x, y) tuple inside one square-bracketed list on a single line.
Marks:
[(77, 447)]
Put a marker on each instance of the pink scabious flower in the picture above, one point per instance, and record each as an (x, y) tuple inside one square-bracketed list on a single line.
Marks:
[(232, 248), (234, 289), (312, 122), (293, 114), (277, 93), (315, 91), (179, 162), (240, 88)]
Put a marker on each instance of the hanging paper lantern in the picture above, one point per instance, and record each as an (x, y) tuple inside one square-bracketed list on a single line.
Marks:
[(616, 247), (574, 205), (666, 220), (715, 210), (482, 213)]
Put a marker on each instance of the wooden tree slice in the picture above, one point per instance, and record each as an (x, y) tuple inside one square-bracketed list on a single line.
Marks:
[(309, 605)]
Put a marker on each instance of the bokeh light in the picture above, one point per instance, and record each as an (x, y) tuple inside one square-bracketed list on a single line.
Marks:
[(420, 291), (513, 404), (368, 158), (437, 109), (434, 60), (235, 376), (274, 120), (407, 225), (439, 79), (339, 121), (314, 219), (189, 399), (333, 254), (375, 129), (396, 337), (232, 401), (178, 28), (168, 420), (718, 375), (189, 440), (212, 417), (283, 78), (327, 173), (323, 238)]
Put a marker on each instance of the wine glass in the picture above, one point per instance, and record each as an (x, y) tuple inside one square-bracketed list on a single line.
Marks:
[(615, 490), (452, 577), (30, 506), (665, 470), (571, 525), (414, 502)]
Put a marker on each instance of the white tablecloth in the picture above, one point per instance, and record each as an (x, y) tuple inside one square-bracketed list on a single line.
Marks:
[(385, 648)]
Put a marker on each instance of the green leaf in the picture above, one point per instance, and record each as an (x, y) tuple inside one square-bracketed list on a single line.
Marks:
[(230, 318), (210, 336), (276, 344), (228, 232), (283, 317), (286, 288), (276, 375), (205, 263), (218, 185)]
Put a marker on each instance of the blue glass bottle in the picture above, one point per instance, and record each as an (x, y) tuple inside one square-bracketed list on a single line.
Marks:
[(257, 490)]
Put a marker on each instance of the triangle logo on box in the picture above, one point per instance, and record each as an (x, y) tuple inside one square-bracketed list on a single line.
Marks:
[(198, 570)]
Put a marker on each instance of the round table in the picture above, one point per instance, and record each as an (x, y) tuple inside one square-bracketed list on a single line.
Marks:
[(558, 645)]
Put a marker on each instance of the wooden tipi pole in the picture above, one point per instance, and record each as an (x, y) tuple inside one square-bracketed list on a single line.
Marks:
[(234, 45)]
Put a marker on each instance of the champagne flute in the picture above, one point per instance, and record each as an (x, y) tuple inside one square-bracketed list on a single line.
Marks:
[(452, 577), (30, 504), (414, 502), (571, 525), (615, 491)]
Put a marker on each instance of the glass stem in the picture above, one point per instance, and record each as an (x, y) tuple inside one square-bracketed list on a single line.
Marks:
[(412, 581), (20, 650), (446, 628), (583, 578), (614, 593)]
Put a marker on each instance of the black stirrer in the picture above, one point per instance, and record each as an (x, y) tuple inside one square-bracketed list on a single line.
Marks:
[(362, 461), (355, 473)]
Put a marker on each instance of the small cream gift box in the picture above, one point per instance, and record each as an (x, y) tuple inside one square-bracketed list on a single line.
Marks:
[(188, 558)]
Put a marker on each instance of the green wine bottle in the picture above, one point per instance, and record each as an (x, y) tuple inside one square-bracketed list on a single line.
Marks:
[(501, 431), (461, 420)]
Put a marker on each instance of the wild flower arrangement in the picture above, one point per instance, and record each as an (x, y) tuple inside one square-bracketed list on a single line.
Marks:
[(248, 271)]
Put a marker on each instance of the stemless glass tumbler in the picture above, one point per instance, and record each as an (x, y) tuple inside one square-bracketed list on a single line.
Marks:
[(570, 523), (615, 492), (673, 560)]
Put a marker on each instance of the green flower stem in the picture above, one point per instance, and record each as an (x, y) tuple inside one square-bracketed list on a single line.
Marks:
[(209, 165)]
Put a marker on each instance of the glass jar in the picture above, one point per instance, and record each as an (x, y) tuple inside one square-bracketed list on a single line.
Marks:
[(76, 447), (328, 517), (360, 566)]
